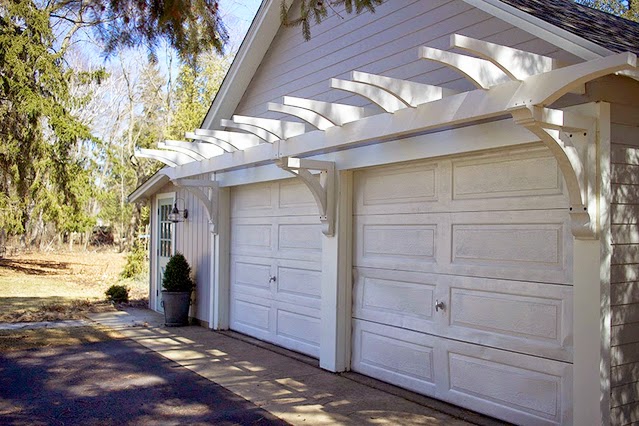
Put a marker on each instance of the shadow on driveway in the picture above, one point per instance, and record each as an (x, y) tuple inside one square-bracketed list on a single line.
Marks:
[(113, 382)]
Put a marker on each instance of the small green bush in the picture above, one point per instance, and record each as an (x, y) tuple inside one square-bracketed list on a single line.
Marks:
[(177, 274), (135, 262), (117, 294)]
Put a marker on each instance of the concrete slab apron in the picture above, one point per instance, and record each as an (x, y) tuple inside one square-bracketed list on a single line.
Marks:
[(294, 391)]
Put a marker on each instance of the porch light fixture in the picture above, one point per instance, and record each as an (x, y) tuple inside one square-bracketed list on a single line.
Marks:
[(178, 215)]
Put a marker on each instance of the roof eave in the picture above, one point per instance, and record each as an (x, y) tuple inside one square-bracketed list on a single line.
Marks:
[(150, 187), (561, 38)]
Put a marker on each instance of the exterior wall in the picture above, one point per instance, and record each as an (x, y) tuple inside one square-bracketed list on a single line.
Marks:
[(385, 43), (625, 264), (623, 95), (193, 239)]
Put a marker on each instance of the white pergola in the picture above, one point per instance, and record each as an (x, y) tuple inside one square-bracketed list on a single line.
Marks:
[(509, 83)]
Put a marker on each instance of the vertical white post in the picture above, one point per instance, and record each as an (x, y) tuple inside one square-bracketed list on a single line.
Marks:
[(591, 271), (212, 268), (220, 247), (336, 283), (587, 341), (605, 239)]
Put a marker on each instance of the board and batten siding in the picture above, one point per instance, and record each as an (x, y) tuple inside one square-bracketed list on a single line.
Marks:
[(385, 42), (624, 292), (193, 240)]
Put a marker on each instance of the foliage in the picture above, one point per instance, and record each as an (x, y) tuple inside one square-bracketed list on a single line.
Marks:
[(189, 26), (117, 294), (37, 167), (177, 274), (628, 9), (194, 91), (135, 262), (317, 10)]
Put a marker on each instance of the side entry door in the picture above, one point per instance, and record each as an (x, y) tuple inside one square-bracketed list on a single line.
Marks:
[(165, 243)]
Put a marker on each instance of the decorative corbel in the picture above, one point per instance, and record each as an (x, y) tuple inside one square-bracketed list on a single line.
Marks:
[(568, 137), (207, 191), (323, 189)]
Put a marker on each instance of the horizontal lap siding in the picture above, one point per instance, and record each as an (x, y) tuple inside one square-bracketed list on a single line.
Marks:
[(624, 292), (385, 43)]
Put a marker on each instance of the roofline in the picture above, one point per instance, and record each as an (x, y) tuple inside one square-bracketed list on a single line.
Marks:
[(266, 24), (561, 38), (148, 188), (258, 39)]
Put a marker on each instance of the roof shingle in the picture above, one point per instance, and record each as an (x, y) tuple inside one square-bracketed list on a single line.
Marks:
[(612, 32)]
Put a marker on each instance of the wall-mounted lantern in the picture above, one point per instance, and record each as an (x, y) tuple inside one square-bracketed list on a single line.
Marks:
[(178, 215)]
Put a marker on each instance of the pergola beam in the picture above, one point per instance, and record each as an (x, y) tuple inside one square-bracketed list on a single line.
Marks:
[(311, 117), (280, 128), (517, 64), (482, 73), (385, 100), (409, 92), (170, 158)]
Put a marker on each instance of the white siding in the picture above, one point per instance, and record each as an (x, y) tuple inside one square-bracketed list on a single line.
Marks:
[(193, 239), (385, 43), (624, 292)]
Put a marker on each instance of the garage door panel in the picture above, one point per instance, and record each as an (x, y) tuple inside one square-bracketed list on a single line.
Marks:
[(251, 200), (533, 173), (394, 301), (468, 183), (289, 197), (254, 238), (404, 242), (520, 245), (298, 328), (295, 198), (299, 284), (512, 245), (250, 274), (398, 356), (295, 237), (528, 317), (406, 188), (515, 387), (250, 314)]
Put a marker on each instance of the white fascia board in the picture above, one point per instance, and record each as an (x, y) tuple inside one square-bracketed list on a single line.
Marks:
[(480, 137), (254, 46), (561, 38), (150, 187)]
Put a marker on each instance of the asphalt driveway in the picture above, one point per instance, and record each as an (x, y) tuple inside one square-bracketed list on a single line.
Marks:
[(114, 382)]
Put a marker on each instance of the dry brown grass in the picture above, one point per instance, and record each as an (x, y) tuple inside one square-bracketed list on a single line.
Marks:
[(15, 340), (57, 286)]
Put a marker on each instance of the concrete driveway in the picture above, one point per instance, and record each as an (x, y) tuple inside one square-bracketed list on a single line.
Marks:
[(114, 382)]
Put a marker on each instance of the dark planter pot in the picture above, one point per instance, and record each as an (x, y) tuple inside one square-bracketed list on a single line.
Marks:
[(176, 307)]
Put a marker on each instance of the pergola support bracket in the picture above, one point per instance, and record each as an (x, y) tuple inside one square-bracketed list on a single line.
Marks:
[(207, 191), (568, 137), (323, 189)]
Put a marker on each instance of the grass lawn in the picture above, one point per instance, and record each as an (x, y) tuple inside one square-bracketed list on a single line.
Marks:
[(54, 286)]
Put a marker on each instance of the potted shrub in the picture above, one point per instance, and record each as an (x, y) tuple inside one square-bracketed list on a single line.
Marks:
[(177, 286)]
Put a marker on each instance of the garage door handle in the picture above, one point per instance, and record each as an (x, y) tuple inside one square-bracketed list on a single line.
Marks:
[(439, 305), (272, 279)]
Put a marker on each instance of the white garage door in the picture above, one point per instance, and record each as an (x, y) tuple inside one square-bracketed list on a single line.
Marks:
[(463, 282), (275, 265)]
